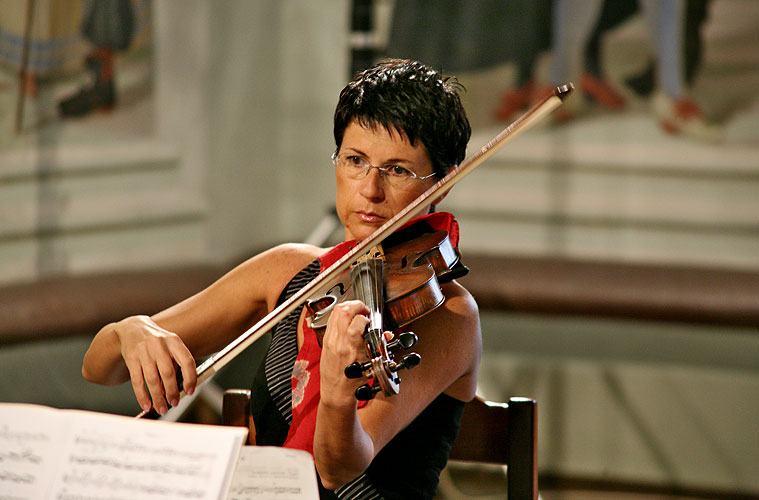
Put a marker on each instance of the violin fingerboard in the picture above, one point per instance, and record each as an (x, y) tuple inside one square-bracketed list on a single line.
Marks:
[(368, 284)]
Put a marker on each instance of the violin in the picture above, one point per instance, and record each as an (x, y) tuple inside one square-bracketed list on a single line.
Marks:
[(217, 361), (399, 282)]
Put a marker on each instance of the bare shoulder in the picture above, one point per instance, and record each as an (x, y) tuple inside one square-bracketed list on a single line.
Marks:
[(451, 333), (292, 257), (460, 299), (454, 342), (462, 316), (458, 313), (273, 268), (286, 259)]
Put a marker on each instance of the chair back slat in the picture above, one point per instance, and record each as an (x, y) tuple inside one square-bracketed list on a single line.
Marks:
[(483, 435), (505, 434)]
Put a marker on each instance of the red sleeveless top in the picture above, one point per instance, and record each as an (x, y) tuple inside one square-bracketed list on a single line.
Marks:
[(305, 375)]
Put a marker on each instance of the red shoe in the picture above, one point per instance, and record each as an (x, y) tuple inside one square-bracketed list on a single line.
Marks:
[(513, 101), (602, 92)]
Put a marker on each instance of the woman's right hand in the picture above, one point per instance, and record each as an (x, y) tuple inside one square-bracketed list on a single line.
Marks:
[(152, 355)]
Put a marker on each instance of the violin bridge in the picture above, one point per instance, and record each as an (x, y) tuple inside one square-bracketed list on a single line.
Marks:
[(376, 252)]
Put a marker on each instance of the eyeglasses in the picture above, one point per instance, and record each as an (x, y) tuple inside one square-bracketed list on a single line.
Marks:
[(356, 167)]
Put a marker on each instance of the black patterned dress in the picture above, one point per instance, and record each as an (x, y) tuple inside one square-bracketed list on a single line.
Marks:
[(407, 468)]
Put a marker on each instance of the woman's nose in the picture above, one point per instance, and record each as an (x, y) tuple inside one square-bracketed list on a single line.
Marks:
[(373, 185)]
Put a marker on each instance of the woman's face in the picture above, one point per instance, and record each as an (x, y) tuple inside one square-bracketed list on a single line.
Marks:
[(365, 204)]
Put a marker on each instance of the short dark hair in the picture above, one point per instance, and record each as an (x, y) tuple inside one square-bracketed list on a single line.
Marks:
[(413, 99)]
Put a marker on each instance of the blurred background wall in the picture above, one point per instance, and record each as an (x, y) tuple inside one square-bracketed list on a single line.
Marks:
[(219, 147)]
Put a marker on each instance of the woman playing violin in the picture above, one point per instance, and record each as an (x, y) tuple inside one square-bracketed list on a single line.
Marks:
[(399, 126)]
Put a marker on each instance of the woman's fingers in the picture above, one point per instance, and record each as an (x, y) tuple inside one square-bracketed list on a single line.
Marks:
[(155, 387), (183, 358), (152, 355), (341, 346), (177, 356), (351, 315), (357, 326), (138, 383), (168, 379)]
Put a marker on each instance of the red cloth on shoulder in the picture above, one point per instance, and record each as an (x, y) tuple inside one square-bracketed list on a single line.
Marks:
[(305, 377)]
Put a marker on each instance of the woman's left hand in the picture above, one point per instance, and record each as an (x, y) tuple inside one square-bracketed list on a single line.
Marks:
[(343, 343)]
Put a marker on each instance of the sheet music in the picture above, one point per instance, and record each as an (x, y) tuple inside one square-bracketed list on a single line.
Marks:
[(265, 472), (28, 440), (73, 455)]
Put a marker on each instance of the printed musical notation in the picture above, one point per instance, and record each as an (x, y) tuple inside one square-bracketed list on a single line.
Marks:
[(69, 455), (272, 473), (24, 454)]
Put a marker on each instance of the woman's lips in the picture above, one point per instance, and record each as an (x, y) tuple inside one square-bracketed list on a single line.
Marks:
[(370, 217)]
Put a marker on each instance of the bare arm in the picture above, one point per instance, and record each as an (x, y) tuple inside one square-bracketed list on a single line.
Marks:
[(147, 350), (348, 439)]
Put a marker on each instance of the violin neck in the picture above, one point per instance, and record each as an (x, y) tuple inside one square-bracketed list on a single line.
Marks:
[(368, 287)]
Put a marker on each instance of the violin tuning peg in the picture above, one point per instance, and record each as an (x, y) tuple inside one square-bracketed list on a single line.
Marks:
[(366, 392), (356, 369), (406, 340), (409, 361)]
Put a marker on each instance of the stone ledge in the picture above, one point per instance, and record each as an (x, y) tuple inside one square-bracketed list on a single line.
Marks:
[(81, 305), (610, 289)]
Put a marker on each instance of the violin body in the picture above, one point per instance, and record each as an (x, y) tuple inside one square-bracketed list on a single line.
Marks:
[(414, 271), (410, 294)]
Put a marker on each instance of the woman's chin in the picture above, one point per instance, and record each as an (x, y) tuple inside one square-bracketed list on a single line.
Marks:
[(361, 232)]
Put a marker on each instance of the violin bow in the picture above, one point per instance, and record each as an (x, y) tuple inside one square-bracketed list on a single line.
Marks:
[(217, 361)]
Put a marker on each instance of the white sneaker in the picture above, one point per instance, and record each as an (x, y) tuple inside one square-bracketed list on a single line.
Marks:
[(684, 116)]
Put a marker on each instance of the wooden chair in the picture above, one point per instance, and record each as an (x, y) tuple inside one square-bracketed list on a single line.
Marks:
[(235, 410), (500, 434), (490, 433)]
